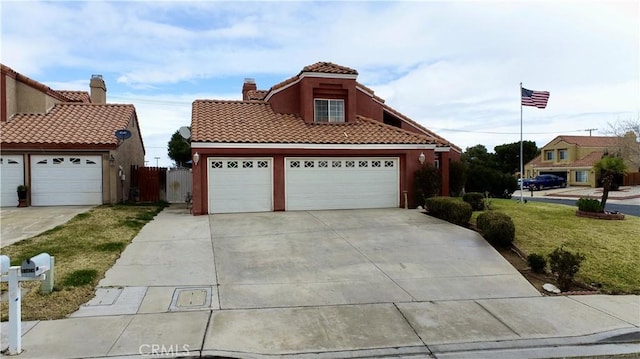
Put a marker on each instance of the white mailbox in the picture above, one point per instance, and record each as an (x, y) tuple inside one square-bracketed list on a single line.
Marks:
[(35, 266), (5, 263)]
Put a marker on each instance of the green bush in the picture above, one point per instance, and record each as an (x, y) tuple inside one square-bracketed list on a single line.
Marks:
[(475, 199), (450, 210), (565, 264), (537, 262), (457, 178), (589, 205), (497, 228)]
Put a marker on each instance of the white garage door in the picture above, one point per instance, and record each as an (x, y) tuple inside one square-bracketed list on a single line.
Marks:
[(240, 185), (12, 173), (66, 180), (341, 183)]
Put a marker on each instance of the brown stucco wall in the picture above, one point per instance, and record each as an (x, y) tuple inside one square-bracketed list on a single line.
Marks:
[(129, 152)]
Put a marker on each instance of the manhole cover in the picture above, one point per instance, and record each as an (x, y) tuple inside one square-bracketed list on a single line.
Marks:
[(191, 298)]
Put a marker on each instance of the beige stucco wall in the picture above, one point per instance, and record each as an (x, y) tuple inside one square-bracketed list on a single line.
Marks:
[(28, 99), (130, 152), (10, 96)]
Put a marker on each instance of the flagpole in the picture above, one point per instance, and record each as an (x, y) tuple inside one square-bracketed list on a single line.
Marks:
[(521, 159)]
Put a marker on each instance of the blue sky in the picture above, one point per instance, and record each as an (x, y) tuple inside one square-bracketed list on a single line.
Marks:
[(455, 67)]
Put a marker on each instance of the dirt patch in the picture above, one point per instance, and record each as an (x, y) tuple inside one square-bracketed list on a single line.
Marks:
[(519, 262)]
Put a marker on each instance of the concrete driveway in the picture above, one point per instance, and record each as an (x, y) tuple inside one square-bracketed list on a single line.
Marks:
[(291, 259), (22, 223)]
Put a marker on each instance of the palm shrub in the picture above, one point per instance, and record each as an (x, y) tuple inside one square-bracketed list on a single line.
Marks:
[(475, 199), (497, 228), (450, 210), (565, 264), (608, 168)]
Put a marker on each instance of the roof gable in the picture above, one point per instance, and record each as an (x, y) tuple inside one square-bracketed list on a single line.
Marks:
[(69, 124), (329, 68), (587, 141), (256, 122)]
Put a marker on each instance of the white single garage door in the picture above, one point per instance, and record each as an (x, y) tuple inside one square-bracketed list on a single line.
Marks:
[(66, 180), (12, 173), (341, 183), (240, 185)]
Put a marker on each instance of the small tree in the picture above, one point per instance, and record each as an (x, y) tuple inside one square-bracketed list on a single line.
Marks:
[(427, 183), (179, 149), (607, 169), (457, 178)]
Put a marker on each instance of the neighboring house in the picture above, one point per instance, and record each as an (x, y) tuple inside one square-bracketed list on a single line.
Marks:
[(319, 140), (573, 157), (62, 144)]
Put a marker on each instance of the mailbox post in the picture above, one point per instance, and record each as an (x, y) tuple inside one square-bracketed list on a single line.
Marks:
[(35, 268)]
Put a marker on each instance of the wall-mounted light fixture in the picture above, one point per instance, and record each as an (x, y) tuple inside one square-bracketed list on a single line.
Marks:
[(112, 160), (196, 158), (421, 158)]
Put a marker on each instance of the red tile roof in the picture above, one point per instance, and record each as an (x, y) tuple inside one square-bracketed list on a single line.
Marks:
[(76, 96), (586, 161), (589, 141), (68, 124), (329, 68), (256, 122), (256, 94)]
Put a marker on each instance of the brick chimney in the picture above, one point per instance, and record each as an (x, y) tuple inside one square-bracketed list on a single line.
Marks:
[(249, 84), (98, 89)]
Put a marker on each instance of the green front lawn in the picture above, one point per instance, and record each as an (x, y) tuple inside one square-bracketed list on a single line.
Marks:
[(611, 247), (84, 249)]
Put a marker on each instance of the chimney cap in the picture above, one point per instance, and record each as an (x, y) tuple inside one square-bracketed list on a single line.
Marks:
[(249, 80), (96, 77)]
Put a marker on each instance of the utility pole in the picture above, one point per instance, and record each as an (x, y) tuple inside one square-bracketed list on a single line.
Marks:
[(157, 158), (591, 129)]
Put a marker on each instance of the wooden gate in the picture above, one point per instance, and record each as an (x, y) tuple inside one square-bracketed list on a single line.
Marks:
[(148, 184), (179, 184)]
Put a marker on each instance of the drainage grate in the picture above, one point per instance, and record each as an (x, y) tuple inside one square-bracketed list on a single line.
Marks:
[(191, 299)]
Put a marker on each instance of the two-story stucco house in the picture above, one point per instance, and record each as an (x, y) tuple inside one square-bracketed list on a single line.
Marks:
[(318, 140), (62, 144), (573, 157)]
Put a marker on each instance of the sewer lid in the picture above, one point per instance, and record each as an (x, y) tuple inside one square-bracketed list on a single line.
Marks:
[(105, 296), (191, 298)]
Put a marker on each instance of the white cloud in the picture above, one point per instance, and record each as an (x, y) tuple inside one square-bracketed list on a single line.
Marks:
[(449, 65)]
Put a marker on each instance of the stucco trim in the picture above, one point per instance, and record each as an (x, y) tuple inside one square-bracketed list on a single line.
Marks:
[(305, 146), (443, 149)]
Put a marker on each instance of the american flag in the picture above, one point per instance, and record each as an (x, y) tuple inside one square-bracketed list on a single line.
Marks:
[(535, 98)]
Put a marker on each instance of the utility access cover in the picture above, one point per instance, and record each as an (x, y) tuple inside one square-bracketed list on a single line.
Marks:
[(191, 298)]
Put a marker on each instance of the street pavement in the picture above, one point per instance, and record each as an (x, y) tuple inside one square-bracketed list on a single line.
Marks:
[(326, 284)]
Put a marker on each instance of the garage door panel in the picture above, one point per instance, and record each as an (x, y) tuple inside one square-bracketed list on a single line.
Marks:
[(339, 183), (12, 175), (240, 185), (66, 180)]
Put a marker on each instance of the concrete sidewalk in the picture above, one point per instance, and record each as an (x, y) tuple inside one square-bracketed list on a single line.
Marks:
[(162, 298), (629, 195)]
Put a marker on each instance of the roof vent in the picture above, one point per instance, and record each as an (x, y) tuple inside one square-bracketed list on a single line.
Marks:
[(249, 80)]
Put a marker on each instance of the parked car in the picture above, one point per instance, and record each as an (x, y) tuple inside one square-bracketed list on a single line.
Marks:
[(545, 181)]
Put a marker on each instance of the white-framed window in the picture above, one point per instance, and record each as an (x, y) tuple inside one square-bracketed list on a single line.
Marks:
[(549, 155), (582, 176), (562, 155), (326, 110)]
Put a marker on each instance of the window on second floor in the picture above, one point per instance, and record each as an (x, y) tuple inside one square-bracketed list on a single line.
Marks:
[(328, 110), (562, 155), (548, 155)]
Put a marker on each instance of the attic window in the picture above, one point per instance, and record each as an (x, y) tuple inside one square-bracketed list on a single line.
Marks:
[(328, 110)]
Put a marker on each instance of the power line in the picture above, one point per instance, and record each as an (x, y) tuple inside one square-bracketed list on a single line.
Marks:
[(500, 133), (590, 129)]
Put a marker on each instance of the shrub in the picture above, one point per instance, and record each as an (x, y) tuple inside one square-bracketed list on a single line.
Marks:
[(497, 228), (537, 262), (589, 205), (475, 199), (427, 183), (450, 210), (565, 264)]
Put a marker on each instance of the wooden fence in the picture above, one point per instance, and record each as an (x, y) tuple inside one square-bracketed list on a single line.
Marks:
[(179, 184), (148, 184), (631, 179)]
